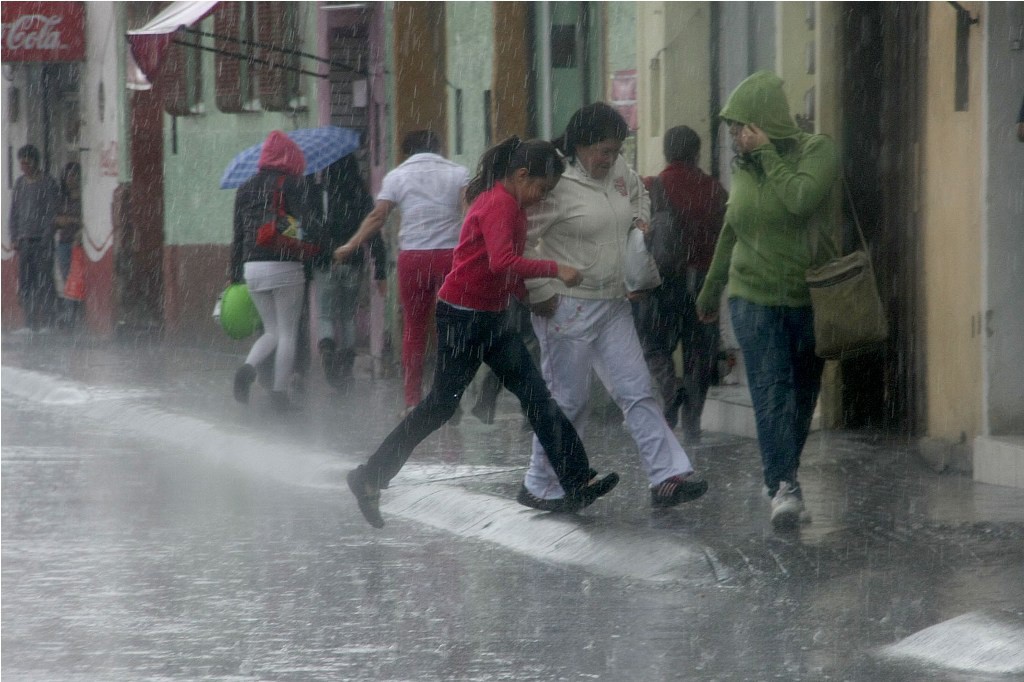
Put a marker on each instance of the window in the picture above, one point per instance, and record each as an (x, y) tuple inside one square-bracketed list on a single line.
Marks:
[(182, 78), (278, 33), (257, 63), (563, 46), (233, 25)]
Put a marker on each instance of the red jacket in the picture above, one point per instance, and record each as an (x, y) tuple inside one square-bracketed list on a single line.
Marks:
[(488, 267), (700, 201)]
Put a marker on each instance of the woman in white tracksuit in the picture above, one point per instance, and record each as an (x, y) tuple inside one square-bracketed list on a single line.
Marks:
[(585, 222)]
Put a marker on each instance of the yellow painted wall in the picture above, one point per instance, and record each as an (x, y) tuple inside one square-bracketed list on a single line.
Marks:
[(795, 48), (951, 232), (419, 65), (675, 91)]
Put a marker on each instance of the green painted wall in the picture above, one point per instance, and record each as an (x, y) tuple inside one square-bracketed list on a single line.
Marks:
[(620, 19), (196, 211), (470, 56)]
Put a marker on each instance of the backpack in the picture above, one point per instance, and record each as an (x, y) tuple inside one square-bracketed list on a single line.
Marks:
[(666, 243)]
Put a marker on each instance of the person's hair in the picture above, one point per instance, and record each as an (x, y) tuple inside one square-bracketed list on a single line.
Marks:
[(538, 157), (420, 142), (344, 175), (29, 151), (682, 144), (590, 125), (69, 168)]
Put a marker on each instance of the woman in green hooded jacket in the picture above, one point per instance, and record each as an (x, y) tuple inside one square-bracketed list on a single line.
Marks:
[(781, 180)]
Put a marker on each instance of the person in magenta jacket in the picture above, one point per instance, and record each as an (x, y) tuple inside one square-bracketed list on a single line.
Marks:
[(488, 270)]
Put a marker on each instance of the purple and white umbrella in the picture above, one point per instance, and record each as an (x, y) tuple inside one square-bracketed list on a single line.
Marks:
[(322, 146)]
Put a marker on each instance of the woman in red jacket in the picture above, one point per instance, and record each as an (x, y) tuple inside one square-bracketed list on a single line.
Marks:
[(472, 327)]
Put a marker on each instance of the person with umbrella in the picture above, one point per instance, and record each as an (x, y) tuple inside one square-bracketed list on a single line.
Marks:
[(428, 191), (344, 201), (267, 253)]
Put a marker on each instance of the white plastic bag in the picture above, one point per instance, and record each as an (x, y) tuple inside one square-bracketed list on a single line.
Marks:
[(641, 272), (216, 307)]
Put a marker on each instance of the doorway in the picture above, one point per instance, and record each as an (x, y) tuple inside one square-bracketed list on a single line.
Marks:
[(880, 101)]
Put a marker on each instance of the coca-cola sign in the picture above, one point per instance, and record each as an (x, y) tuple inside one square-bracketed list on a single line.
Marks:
[(43, 31)]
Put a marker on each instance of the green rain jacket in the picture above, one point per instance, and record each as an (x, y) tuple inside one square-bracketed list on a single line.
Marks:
[(763, 249)]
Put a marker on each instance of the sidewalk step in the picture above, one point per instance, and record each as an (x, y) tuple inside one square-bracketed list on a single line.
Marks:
[(729, 409), (999, 460)]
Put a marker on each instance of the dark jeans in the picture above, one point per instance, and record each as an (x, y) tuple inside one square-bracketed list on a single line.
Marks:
[(490, 387), (36, 291), (465, 338), (664, 319), (784, 376)]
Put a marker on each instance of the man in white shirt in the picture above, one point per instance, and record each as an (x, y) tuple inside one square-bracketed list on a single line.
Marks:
[(428, 190)]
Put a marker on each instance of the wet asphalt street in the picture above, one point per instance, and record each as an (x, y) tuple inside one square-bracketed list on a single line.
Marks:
[(152, 529)]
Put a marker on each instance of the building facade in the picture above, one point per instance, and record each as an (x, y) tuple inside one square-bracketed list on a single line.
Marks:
[(916, 95), (921, 99)]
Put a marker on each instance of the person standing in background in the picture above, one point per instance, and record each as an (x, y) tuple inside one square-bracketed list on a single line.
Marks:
[(345, 203), (428, 191), (68, 224), (34, 203), (668, 315)]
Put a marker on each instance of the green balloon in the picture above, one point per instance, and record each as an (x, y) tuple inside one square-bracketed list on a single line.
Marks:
[(238, 314)]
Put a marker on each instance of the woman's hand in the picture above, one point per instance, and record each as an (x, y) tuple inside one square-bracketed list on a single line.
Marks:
[(707, 316), (643, 226), (344, 252), (545, 308), (750, 138), (638, 295), (569, 275)]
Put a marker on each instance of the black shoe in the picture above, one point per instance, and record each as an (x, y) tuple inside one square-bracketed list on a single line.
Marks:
[(346, 361), (677, 489), (570, 503), (528, 499), (586, 496), (367, 495), (329, 360), (244, 377), (280, 402)]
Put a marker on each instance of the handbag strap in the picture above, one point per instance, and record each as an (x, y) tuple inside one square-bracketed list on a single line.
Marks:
[(853, 210), (856, 224)]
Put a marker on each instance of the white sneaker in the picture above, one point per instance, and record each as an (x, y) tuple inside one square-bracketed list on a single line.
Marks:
[(787, 506)]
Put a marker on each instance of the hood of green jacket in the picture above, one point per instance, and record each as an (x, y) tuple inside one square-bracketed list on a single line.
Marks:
[(760, 100)]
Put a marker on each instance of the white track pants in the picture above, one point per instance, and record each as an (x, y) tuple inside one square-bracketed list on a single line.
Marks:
[(586, 334)]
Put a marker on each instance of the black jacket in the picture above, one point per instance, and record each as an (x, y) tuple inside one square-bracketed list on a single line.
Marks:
[(253, 207), (348, 203)]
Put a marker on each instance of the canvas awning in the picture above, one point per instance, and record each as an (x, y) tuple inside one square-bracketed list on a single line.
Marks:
[(149, 43)]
